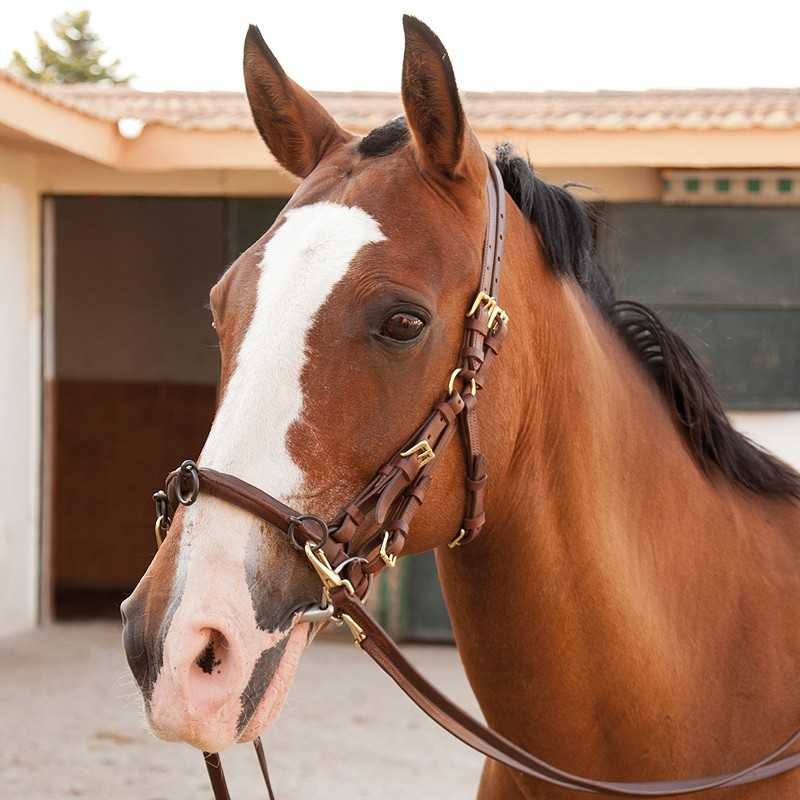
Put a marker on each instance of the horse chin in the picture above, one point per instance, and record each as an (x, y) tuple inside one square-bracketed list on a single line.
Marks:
[(217, 729)]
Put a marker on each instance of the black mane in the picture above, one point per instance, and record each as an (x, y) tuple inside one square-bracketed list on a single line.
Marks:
[(567, 229), (382, 141), (565, 224)]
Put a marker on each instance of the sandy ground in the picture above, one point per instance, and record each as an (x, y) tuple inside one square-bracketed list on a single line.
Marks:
[(72, 726)]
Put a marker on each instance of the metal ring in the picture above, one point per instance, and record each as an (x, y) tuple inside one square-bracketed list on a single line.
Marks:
[(351, 560), (159, 532), (187, 468), (162, 503), (451, 384), (315, 614), (369, 587), (299, 519), (369, 575)]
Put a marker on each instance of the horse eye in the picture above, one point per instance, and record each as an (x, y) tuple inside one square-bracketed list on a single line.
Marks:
[(402, 327)]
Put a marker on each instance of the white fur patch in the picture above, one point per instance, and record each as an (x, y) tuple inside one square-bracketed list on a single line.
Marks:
[(303, 261), (307, 256)]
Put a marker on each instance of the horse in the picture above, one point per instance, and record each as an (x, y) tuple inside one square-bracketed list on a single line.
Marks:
[(627, 611)]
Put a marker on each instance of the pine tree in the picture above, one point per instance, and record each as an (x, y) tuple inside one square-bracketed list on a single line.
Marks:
[(76, 58)]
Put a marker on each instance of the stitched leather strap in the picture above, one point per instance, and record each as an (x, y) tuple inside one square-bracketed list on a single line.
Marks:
[(382, 650), (475, 355)]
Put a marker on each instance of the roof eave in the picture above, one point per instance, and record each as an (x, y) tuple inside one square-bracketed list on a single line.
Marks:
[(160, 147), (38, 119)]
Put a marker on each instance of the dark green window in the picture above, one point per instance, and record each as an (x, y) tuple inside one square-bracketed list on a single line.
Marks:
[(247, 219), (692, 185), (785, 185), (753, 185), (727, 278), (722, 185)]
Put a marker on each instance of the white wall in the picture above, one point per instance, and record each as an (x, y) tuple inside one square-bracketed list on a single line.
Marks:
[(20, 392), (777, 431)]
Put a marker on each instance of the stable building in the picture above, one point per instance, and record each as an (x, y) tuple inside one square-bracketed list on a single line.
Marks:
[(119, 209)]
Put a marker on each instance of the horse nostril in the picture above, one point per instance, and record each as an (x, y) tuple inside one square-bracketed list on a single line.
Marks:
[(210, 658)]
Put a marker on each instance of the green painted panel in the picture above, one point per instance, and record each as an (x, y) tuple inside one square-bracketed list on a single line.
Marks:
[(408, 601), (665, 255), (753, 354), (426, 616), (249, 218), (728, 280)]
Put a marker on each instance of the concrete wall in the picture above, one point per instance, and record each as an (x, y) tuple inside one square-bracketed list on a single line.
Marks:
[(20, 392), (777, 431)]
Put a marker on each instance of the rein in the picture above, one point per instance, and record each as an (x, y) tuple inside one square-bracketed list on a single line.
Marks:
[(369, 533)]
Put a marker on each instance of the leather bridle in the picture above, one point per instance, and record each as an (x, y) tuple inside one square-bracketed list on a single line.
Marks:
[(369, 533)]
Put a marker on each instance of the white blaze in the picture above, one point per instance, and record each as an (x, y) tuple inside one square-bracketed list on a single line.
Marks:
[(306, 257)]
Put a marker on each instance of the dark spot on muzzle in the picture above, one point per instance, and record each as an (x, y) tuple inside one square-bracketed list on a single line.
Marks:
[(263, 671), (278, 586), (146, 618), (133, 642)]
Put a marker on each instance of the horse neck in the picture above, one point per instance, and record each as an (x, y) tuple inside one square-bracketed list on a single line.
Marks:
[(601, 528)]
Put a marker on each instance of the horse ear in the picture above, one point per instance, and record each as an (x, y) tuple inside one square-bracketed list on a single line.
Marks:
[(297, 129), (444, 141)]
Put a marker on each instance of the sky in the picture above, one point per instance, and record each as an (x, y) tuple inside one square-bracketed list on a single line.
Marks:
[(497, 45)]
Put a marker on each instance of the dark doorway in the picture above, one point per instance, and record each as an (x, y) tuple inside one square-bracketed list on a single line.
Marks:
[(132, 387)]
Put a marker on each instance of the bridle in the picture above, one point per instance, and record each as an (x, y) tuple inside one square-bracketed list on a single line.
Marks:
[(369, 533)]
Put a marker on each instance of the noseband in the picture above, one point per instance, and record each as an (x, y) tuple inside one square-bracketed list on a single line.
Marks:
[(369, 533)]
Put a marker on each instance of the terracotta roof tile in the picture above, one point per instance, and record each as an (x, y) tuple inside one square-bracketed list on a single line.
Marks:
[(697, 109)]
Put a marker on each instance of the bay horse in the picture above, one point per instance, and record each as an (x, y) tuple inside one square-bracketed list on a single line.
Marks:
[(630, 608)]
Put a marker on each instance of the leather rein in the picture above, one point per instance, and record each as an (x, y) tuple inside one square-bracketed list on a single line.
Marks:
[(346, 561)]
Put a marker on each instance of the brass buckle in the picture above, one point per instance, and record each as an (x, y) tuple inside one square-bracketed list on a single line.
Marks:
[(457, 540), (422, 450), (356, 631), (327, 574), (495, 312), (479, 300), (390, 559), (331, 580)]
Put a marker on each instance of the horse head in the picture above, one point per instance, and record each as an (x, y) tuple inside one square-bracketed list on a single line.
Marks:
[(337, 331)]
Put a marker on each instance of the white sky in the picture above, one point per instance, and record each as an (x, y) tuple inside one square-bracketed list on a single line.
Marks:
[(522, 46)]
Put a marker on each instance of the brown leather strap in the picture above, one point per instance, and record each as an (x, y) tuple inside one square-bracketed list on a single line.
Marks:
[(379, 646), (262, 763), (475, 353), (217, 776)]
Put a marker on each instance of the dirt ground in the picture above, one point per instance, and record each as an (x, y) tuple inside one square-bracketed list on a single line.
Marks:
[(71, 725)]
